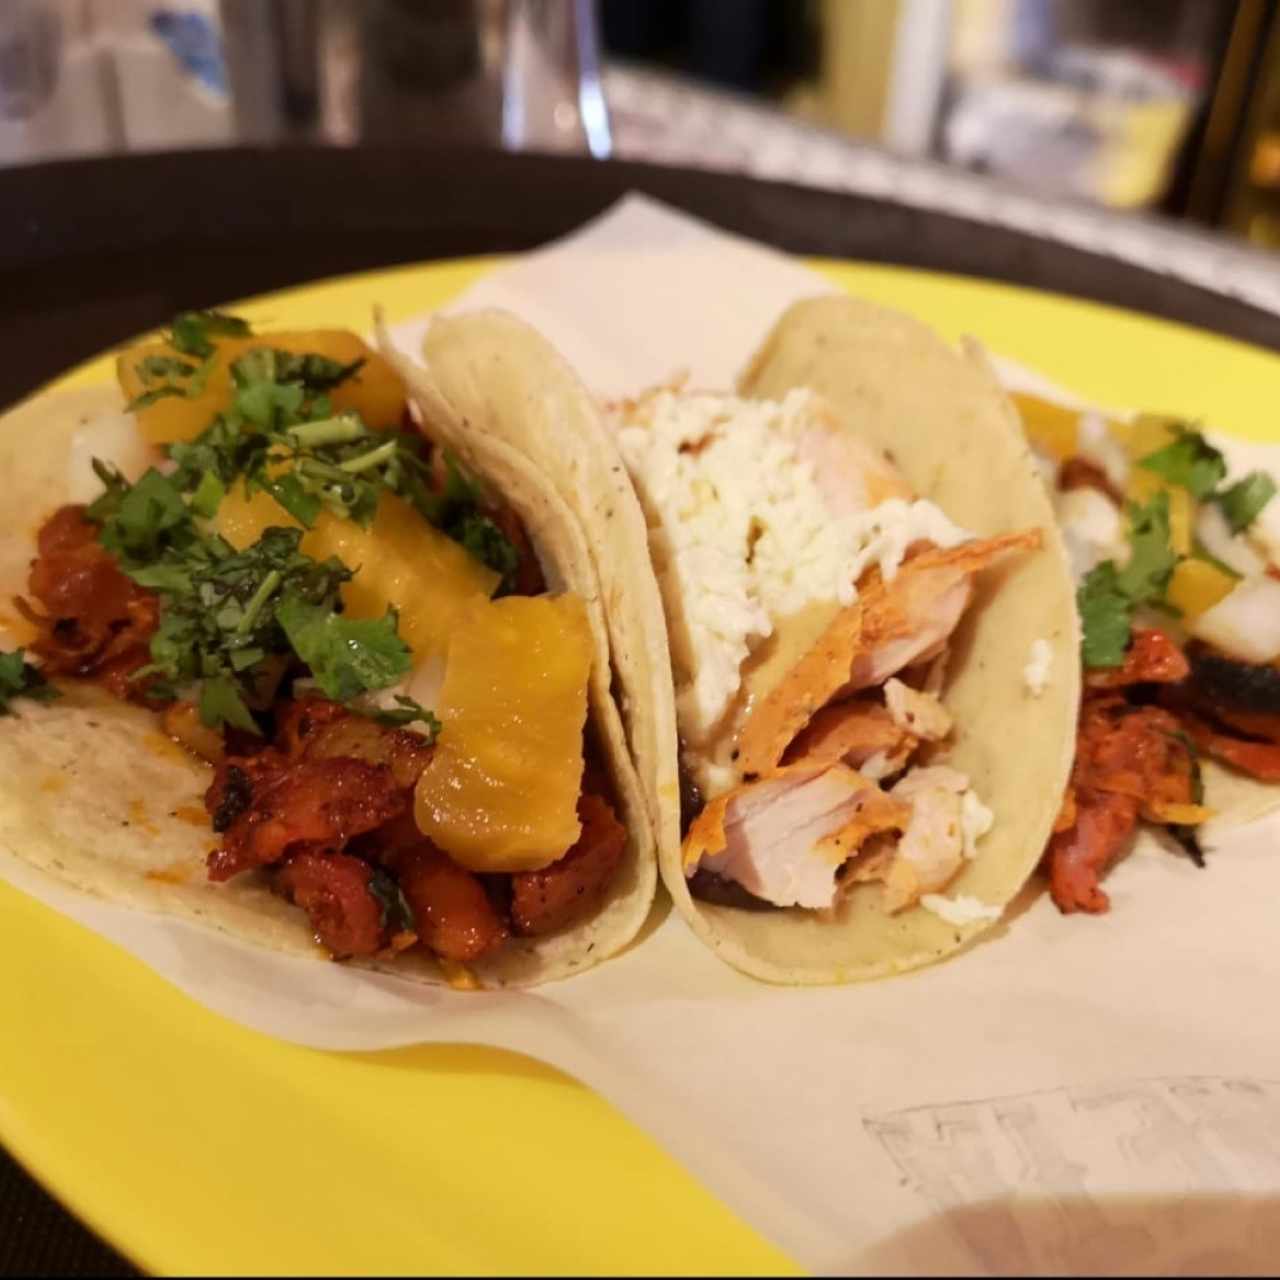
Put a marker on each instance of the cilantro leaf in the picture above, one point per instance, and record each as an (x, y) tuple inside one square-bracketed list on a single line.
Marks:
[(347, 656), (397, 914), (222, 703), (1108, 595), (1189, 461), (144, 513), (1152, 559), (1106, 614), (1242, 503), (19, 679), (486, 542), (191, 331), (407, 712)]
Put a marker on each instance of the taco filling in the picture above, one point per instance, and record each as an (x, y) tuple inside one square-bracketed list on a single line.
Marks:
[(1178, 575), (348, 627), (811, 599)]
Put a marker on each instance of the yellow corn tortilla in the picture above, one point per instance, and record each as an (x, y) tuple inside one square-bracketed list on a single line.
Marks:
[(93, 793)]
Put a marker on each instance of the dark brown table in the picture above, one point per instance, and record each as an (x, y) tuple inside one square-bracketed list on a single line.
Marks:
[(94, 251)]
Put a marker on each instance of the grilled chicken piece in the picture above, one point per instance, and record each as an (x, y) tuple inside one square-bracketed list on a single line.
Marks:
[(890, 626), (783, 838)]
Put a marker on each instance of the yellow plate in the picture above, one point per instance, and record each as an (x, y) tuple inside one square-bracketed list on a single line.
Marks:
[(196, 1146)]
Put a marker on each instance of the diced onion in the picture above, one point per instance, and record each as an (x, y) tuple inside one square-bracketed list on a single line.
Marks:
[(1245, 624), (1099, 446), (1215, 533)]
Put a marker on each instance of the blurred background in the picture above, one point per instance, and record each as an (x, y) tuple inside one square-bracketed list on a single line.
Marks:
[(1167, 106)]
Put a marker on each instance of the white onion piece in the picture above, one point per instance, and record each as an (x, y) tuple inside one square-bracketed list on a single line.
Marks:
[(113, 437), (1264, 532), (1047, 466), (1246, 623), (1213, 530), (1091, 528), (1096, 443)]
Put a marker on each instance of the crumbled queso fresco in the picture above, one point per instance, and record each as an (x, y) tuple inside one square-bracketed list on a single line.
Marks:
[(960, 910), (1035, 675), (741, 535)]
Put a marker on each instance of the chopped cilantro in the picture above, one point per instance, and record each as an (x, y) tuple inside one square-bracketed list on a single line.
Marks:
[(191, 331), (19, 679), (1107, 597), (1244, 500), (1152, 559), (347, 656), (407, 712), (1189, 461), (397, 914), (1106, 614)]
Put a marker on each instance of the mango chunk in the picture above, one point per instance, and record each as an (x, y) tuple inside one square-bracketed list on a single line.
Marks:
[(1051, 428), (375, 392), (1197, 586), (501, 790), (1150, 432), (400, 560), (1143, 485)]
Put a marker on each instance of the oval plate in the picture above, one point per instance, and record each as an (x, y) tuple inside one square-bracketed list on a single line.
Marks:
[(195, 1146)]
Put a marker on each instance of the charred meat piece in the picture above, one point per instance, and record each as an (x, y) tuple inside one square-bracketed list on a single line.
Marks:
[(1130, 761), (1259, 760), (334, 890), (1080, 856), (455, 917), (1244, 696), (1152, 658), (311, 802), (1080, 473), (92, 620), (546, 900), (317, 729)]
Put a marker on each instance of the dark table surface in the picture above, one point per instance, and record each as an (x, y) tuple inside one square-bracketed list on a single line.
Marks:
[(92, 252)]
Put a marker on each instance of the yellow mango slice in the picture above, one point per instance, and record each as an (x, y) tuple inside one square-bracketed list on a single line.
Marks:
[(400, 560), (1196, 586), (375, 392), (1048, 426), (501, 790), (1143, 485), (1150, 432)]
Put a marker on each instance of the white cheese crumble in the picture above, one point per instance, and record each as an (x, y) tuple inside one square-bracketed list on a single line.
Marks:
[(975, 821), (1035, 675), (959, 911), (741, 533)]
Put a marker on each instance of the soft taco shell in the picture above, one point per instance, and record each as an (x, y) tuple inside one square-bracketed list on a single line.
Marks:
[(489, 377), (945, 423), (93, 793)]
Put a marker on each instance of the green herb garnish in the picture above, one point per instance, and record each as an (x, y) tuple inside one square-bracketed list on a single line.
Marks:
[(1108, 596), (347, 656), (191, 331), (1244, 500), (406, 712), (1189, 461), (19, 679)]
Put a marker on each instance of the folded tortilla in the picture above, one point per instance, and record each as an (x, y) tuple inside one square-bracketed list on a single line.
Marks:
[(93, 793)]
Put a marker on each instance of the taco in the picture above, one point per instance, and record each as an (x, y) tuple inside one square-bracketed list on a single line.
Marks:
[(1176, 564), (298, 668), (872, 635)]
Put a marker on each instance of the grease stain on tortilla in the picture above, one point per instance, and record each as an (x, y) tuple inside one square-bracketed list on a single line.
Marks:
[(161, 745), (138, 817), (191, 813), (180, 872), (53, 783)]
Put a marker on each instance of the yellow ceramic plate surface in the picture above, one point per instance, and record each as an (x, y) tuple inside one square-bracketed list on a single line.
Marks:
[(196, 1146)]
